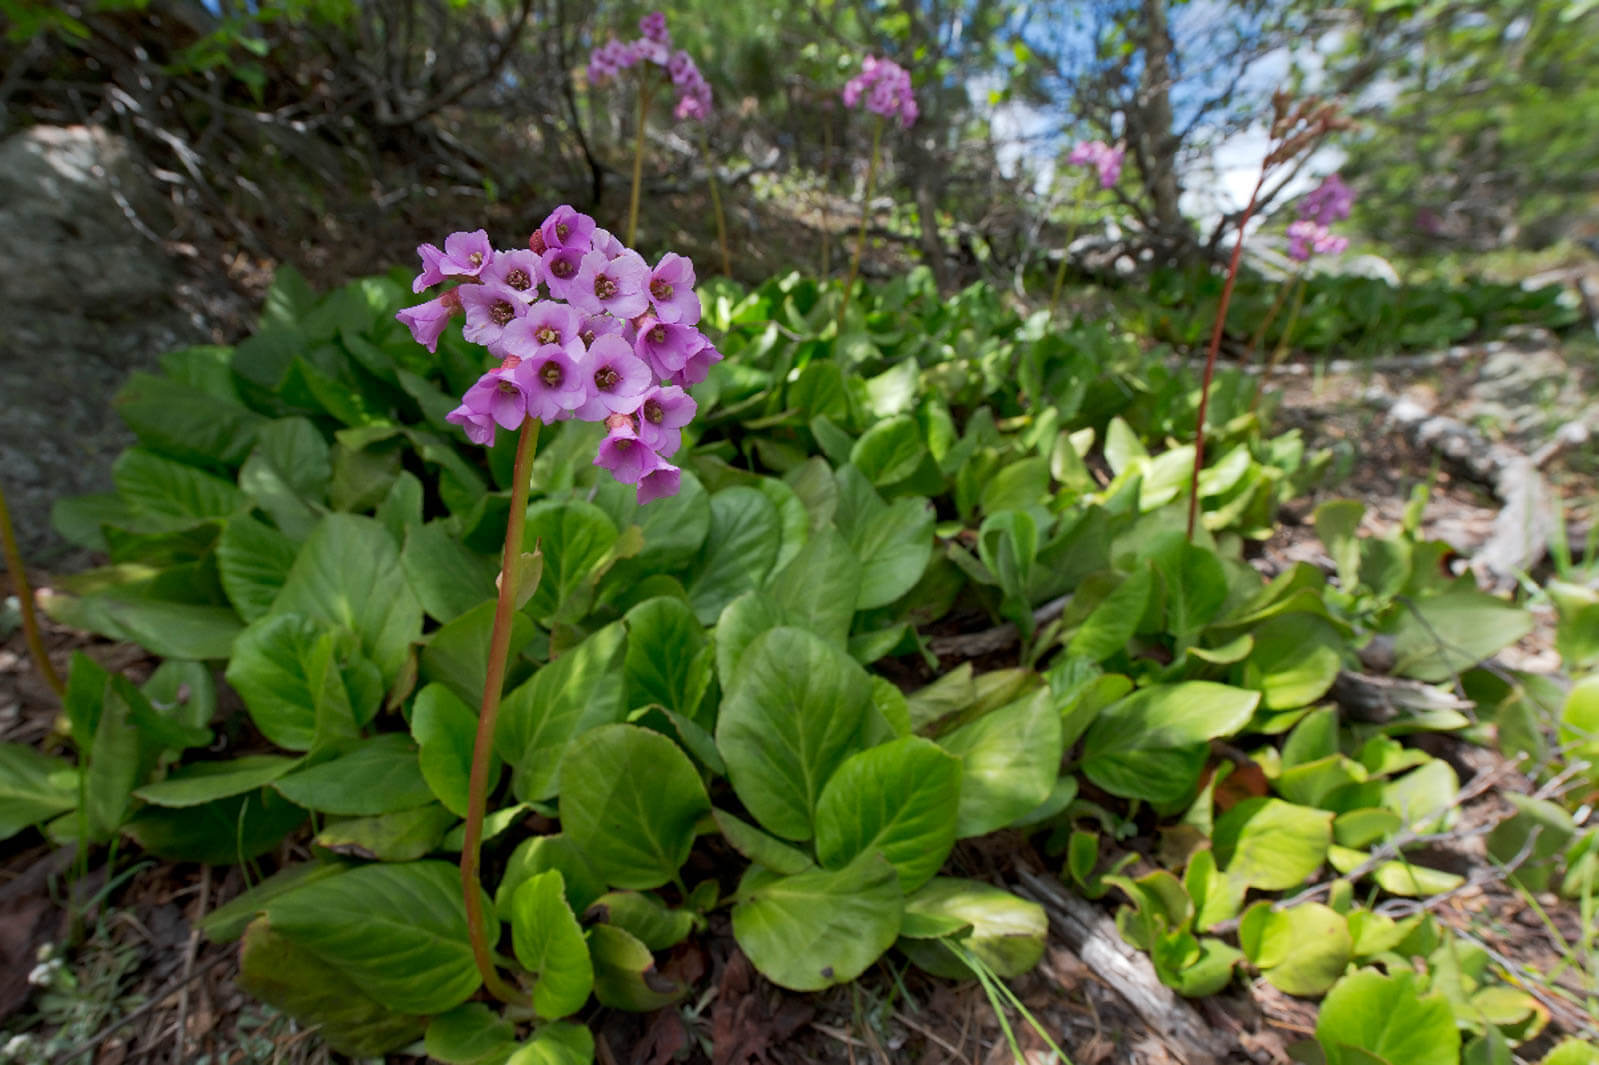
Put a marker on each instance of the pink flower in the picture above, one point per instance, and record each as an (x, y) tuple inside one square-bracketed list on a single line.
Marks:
[(517, 270), (661, 417), (616, 379), (612, 286), (653, 27), (465, 254), (1328, 202), (479, 428), (553, 381), (627, 457), (427, 321), (671, 290), (489, 309), (1102, 157), (1307, 238), (887, 88), (499, 395), (664, 480)]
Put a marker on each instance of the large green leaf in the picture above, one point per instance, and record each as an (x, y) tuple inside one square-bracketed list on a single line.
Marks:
[(821, 928), (625, 976), (1437, 637), (1295, 660), (445, 730), (1270, 844), (818, 588), (550, 945), (225, 831), (1010, 760), (899, 800), (739, 551), (375, 776), (893, 541), (470, 1034), (182, 421), (253, 561), (448, 577), (664, 663), (576, 538), (288, 473), (205, 781), (457, 655), (348, 575), (402, 836), (630, 800), (291, 978), (33, 787), (1008, 933), (798, 708), (1370, 1017), (170, 492), (1152, 744), (398, 931), (301, 683), (539, 719), (1302, 949), (171, 630)]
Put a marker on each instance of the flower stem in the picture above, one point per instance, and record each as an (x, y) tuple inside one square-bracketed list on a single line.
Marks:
[(483, 749), (1210, 354), (1282, 343), (1065, 248), (827, 169), (638, 161), (30, 620), (716, 201), (860, 238)]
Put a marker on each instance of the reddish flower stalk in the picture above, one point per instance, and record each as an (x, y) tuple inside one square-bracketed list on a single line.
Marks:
[(30, 620), (866, 216), (483, 749), (1210, 354)]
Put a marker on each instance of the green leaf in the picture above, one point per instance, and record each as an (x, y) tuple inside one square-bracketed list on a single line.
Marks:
[(758, 847), (630, 800), (899, 800), (182, 692), (1371, 1017), (288, 473), (741, 622), (799, 706), (375, 776), (33, 788), (1008, 933), (739, 551), (624, 972), (818, 587), (167, 629), (550, 945), (221, 832), (558, 1043), (892, 541), (470, 1034), (1439, 636), (288, 977), (1010, 760), (646, 917), (889, 451), (663, 664), (1303, 950), (302, 684), (445, 730), (398, 931), (576, 539), (403, 836), (185, 422), (348, 576), (821, 928), (1111, 626), (253, 561), (448, 577), (457, 655), (1295, 661), (206, 781), (1151, 745), (538, 720), (1271, 844), (228, 922), (170, 492), (539, 853)]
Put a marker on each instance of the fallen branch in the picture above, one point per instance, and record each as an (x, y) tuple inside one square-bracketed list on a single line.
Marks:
[(1092, 936)]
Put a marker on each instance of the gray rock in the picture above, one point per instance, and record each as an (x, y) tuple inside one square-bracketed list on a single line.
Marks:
[(85, 299)]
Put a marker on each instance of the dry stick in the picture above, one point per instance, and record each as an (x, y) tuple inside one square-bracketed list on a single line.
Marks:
[(866, 213), (30, 620), (482, 750), (638, 161), (181, 1045), (716, 200), (1210, 355)]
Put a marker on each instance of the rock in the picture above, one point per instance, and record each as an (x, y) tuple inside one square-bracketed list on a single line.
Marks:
[(85, 299)]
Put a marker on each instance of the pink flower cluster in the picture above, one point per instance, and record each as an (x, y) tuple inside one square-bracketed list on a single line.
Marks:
[(1102, 157), (1327, 203), (655, 46), (887, 88), (614, 340), (1307, 237)]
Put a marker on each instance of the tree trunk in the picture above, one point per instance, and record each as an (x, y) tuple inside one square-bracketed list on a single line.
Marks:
[(1154, 141)]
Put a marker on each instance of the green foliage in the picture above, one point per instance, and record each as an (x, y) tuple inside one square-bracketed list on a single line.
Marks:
[(703, 667)]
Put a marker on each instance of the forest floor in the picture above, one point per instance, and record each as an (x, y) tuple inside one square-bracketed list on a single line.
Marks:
[(141, 974)]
